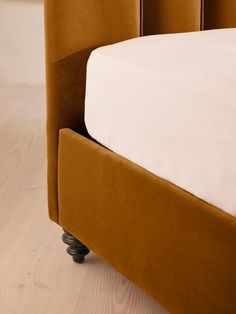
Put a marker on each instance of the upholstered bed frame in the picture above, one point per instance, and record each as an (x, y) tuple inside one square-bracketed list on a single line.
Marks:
[(176, 247)]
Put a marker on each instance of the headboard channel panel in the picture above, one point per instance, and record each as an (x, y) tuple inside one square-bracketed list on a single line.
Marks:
[(171, 16), (73, 29)]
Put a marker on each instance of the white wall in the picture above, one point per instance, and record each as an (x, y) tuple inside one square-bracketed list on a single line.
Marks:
[(22, 41)]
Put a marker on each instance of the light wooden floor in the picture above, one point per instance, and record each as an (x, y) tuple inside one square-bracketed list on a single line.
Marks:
[(36, 275)]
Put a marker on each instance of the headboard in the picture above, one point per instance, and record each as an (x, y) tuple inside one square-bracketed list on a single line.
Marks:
[(75, 27), (169, 16)]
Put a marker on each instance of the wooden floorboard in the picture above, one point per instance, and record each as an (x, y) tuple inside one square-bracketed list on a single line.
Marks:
[(36, 275)]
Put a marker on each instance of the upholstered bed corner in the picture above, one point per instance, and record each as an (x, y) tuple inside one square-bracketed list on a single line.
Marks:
[(73, 29), (176, 247)]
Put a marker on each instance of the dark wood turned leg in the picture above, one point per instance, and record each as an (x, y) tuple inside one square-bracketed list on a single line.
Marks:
[(75, 248)]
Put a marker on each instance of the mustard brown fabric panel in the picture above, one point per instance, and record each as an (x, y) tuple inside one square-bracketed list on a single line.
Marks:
[(176, 247), (219, 14), (171, 16), (73, 29)]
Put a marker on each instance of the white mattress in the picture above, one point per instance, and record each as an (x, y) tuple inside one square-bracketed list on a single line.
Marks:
[(168, 103)]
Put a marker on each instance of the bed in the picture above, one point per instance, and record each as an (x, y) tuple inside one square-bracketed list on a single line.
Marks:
[(168, 103), (142, 145)]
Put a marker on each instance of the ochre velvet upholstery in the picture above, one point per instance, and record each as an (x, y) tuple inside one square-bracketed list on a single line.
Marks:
[(73, 29), (219, 14), (171, 16), (176, 247)]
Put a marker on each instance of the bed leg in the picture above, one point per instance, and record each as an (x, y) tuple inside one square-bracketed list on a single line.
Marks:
[(76, 249)]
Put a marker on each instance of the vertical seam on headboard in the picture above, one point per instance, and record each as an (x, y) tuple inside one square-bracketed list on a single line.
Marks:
[(202, 24), (141, 18)]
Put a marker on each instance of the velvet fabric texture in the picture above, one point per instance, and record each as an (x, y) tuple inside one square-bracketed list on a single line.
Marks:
[(74, 28), (176, 247), (173, 245), (171, 16)]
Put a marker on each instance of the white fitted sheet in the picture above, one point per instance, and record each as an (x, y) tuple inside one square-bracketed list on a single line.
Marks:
[(168, 103)]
